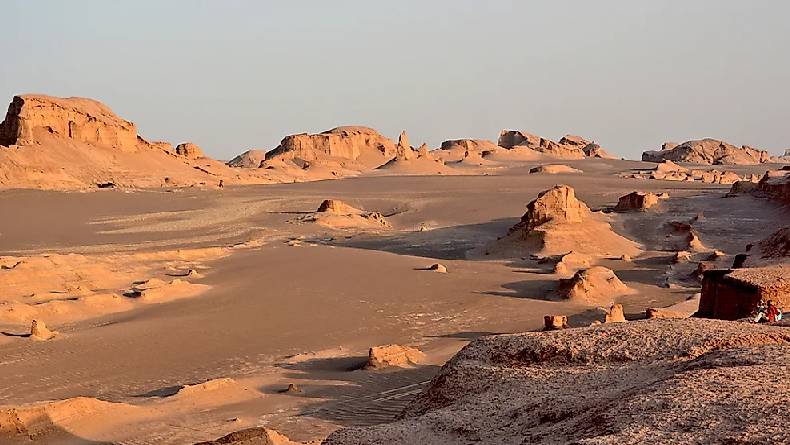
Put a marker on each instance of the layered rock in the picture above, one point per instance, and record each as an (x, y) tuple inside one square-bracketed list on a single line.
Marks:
[(32, 118), (708, 151), (775, 184), (554, 169)]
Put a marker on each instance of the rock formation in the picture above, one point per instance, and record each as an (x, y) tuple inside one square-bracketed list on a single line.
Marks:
[(556, 223), (338, 207), (615, 314), (775, 184), (32, 118), (555, 322), (596, 285), (594, 150), (735, 294), (387, 356), (189, 150), (637, 201), (776, 246), (39, 331), (708, 151), (554, 169), (652, 381), (364, 145), (439, 268), (337, 214), (403, 149), (248, 159)]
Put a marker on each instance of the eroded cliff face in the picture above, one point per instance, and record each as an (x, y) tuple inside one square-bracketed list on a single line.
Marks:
[(776, 185), (31, 118)]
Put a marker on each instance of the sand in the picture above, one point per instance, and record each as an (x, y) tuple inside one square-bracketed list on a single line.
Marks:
[(153, 291)]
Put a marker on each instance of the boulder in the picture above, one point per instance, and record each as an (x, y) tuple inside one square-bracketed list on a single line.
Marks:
[(189, 150), (615, 314), (387, 356), (439, 268), (555, 322), (32, 118), (637, 201)]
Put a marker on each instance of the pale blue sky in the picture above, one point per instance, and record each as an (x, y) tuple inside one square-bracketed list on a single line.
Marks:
[(233, 75)]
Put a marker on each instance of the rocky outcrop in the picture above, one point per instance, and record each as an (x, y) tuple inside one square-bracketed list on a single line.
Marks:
[(688, 381), (569, 147), (557, 204), (337, 214), (404, 151), (348, 143), (511, 138), (248, 159), (708, 151), (615, 314), (555, 322), (387, 356), (189, 150), (594, 150), (31, 118), (776, 246), (775, 184), (596, 285), (478, 145), (736, 294), (338, 207), (637, 201)]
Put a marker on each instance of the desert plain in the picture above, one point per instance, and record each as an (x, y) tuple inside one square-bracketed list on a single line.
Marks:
[(350, 288)]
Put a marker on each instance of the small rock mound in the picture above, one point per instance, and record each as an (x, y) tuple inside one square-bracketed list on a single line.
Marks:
[(596, 285), (439, 268), (39, 331), (557, 205), (554, 169), (248, 159), (338, 207), (615, 314), (388, 356)]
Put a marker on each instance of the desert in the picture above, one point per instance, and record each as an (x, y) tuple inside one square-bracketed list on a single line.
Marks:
[(319, 277)]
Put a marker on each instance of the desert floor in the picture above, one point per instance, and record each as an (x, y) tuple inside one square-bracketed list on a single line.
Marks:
[(290, 301)]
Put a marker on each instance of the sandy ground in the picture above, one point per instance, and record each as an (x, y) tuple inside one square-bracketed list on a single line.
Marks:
[(278, 299)]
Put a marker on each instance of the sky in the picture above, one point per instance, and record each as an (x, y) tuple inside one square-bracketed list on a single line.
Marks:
[(234, 75)]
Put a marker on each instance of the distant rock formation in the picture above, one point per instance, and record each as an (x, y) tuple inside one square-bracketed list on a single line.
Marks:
[(594, 150), (569, 147), (775, 184), (403, 149), (387, 356), (31, 118), (361, 144), (708, 151), (248, 159), (189, 150), (464, 145)]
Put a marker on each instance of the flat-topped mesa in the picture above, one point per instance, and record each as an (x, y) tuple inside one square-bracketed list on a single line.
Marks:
[(350, 143), (708, 151), (33, 118)]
